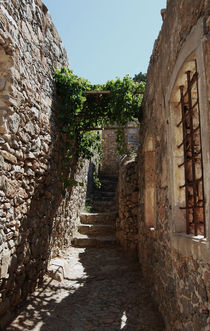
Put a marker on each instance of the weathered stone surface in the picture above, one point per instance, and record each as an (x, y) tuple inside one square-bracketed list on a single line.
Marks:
[(36, 220), (110, 157), (14, 122), (2, 84), (5, 263), (176, 274), (9, 157), (92, 296), (127, 223), (59, 269)]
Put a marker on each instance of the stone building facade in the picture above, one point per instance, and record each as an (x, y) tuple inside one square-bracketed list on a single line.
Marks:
[(110, 157), (36, 220), (173, 168)]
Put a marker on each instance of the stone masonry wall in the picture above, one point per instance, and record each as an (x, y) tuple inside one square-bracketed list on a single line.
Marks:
[(127, 197), (179, 281), (110, 157), (36, 220)]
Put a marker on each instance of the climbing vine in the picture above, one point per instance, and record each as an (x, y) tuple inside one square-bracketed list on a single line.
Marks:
[(83, 114)]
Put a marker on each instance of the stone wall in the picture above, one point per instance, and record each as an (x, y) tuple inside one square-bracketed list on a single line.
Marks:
[(176, 265), (127, 197), (110, 157), (36, 220)]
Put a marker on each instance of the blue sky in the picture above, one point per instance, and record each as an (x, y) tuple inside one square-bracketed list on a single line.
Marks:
[(106, 39)]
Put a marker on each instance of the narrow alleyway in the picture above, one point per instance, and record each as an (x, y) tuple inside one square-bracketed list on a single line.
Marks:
[(102, 290), (97, 286)]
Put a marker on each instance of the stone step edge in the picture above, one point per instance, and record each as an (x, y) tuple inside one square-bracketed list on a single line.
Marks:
[(78, 235), (112, 213), (96, 229), (82, 240), (87, 225), (99, 218)]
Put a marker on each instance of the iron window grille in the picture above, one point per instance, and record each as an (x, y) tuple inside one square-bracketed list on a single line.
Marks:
[(192, 152)]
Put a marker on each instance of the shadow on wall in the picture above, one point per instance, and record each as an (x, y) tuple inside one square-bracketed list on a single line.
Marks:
[(105, 290), (90, 181), (28, 262)]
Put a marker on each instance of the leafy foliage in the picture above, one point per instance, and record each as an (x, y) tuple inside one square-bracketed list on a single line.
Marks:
[(140, 77), (81, 114)]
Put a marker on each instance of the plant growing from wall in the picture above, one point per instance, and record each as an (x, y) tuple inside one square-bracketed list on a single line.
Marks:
[(83, 113)]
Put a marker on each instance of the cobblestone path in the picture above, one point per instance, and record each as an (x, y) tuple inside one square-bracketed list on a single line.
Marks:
[(102, 290)]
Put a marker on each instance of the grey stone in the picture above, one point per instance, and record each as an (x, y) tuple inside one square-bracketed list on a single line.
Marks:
[(3, 183), (24, 137), (14, 122), (6, 260), (30, 128), (1, 162), (2, 84), (35, 112), (1, 239)]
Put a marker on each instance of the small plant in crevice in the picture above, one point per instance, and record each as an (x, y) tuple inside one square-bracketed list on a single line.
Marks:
[(88, 205), (96, 180)]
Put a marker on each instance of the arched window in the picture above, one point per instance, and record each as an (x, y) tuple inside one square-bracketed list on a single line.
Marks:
[(188, 147), (188, 167)]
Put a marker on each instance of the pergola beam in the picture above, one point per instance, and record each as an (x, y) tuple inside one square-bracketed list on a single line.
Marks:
[(107, 92)]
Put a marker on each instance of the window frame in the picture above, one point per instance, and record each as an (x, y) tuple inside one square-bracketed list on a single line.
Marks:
[(193, 48)]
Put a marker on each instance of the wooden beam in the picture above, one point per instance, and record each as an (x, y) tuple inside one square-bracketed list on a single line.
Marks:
[(107, 92)]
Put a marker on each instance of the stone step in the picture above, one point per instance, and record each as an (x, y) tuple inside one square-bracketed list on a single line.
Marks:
[(108, 179), (100, 205), (101, 209), (98, 218), (103, 205), (98, 197), (106, 187), (84, 241), (96, 229)]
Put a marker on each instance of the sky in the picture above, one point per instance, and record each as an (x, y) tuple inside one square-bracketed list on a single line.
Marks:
[(105, 39)]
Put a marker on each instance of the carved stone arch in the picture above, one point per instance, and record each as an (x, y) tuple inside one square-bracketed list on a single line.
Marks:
[(190, 63)]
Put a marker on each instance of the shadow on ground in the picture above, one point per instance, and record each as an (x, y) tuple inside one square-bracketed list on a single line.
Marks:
[(104, 291)]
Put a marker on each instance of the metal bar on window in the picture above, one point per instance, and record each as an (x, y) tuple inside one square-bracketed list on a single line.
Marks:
[(185, 148), (189, 84), (201, 156), (191, 183), (192, 152)]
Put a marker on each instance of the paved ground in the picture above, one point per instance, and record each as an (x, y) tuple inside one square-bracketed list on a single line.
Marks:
[(104, 291)]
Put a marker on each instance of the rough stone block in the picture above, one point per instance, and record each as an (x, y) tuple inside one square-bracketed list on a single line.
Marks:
[(5, 263), (7, 156), (14, 122), (2, 84)]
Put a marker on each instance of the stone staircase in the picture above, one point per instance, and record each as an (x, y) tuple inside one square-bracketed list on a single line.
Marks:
[(97, 227)]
